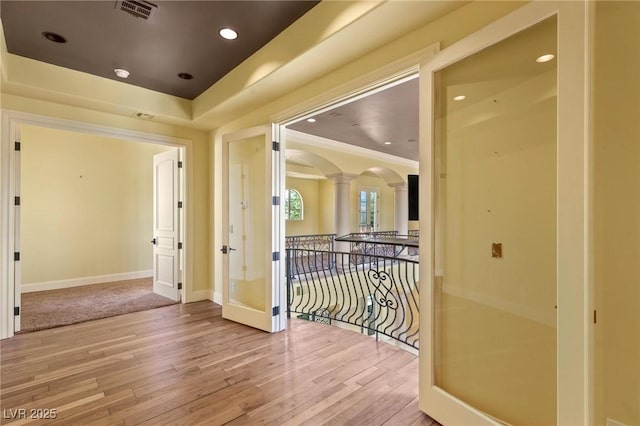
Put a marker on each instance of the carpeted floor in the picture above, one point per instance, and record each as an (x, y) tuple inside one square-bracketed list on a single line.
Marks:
[(55, 308)]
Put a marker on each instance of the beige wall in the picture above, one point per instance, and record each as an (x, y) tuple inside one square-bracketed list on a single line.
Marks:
[(313, 205), (87, 205), (326, 221), (617, 211)]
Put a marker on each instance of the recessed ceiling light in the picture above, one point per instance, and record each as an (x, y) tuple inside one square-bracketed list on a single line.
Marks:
[(387, 143), (228, 33), (459, 98), (185, 76), (311, 120), (545, 58), (122, 73), (56, 38)]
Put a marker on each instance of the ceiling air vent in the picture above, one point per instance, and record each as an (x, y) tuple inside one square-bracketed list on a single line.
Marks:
[(140, 8)]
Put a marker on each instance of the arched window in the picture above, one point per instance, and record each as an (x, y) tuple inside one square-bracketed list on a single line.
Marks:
[(293, 207)]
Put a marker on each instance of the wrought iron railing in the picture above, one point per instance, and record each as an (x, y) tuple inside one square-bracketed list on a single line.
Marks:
[(312, 251), (377, 295), (382, 243), (311, 242)]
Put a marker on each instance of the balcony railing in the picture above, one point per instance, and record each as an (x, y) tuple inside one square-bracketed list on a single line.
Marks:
[(319, 246), (311, 242), (383, 243), (377, 295)]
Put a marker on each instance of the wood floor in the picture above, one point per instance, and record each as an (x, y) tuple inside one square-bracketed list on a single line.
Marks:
[(185, 365)]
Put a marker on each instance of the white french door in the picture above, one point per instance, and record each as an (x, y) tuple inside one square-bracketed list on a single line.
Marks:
[(368, 202), (504, 223), (166, 224), (252, 258)]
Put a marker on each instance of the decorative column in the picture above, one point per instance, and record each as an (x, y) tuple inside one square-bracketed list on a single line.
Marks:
[(342, 206), (401, 215)]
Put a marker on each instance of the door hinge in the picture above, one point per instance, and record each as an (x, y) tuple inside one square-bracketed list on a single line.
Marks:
[(16, 311), (595, 316), (179, 286), (16, 201), (275, 146), (179, 204), (179, 164), (275, 256), (179, 246), (16, 256), (276, 200), (17, 146), (275, 311)]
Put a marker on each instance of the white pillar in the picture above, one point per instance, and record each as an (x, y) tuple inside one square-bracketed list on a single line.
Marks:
[(401, 215), (342, 206)]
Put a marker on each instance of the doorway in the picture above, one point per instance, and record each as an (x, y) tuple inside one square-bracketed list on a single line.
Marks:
[(122, 194)]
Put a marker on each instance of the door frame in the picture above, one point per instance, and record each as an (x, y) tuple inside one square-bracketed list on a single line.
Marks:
[(12, 121), (574, 189), (377, 79)]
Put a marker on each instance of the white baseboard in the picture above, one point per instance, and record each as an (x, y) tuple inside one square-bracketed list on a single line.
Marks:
[(217, 297), (76, 282), (198, 295)]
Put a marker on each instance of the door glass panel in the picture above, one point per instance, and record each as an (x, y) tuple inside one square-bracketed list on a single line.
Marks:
[(363, 211), (368, 211), (247, 224), (495, 281), (373, 209)]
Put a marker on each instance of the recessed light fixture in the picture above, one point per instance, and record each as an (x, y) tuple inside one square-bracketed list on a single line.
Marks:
[(56, 38), (387, 143), (311, 120), (122, 73), (545, 58), (185, 76), (228, 33), (459, 98)]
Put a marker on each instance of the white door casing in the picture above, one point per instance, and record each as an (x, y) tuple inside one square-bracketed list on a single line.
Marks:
[(166, 224)]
